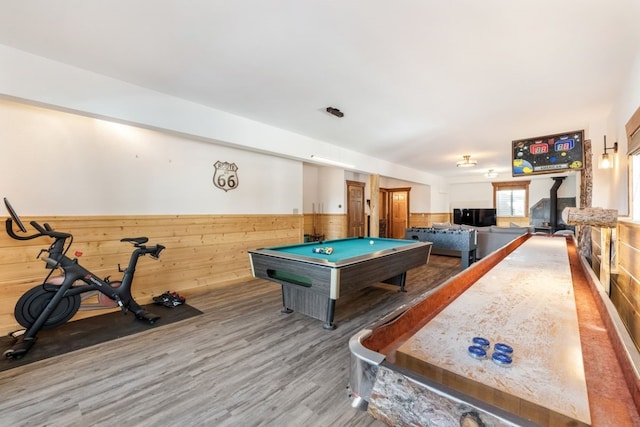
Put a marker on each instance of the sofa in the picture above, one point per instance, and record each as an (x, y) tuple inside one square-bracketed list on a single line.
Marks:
[(493, 238), (490, 238)]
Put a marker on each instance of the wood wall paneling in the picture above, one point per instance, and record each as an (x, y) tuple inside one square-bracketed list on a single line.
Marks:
[(202, 252), (426, 219), (332, 226), (625, 286), (506, 221), (625, 297)]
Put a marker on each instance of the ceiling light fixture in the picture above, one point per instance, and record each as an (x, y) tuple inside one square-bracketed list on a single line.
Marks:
[(605, 161), (331, 162), (466, 162), (491, 173)]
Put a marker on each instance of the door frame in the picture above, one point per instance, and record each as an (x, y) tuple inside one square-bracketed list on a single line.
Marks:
[(389, 214), (362, 185)]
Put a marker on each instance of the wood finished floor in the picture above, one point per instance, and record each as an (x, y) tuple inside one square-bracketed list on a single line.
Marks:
[(241, 363)]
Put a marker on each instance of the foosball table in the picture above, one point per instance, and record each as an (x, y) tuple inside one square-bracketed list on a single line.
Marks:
[(448, 241)]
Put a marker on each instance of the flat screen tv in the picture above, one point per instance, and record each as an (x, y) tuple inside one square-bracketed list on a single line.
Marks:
[(475, 217), (561, 152)]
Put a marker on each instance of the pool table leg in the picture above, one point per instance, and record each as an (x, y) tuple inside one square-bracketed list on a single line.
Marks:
[(398, 280), (331, 309), (285, 309), (403, 280)]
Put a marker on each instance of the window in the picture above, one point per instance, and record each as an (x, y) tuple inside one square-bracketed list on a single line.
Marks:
[(511, 199), (633, 138), (634, 162)]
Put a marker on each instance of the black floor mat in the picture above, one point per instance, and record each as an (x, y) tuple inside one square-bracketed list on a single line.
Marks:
[(93, 330)]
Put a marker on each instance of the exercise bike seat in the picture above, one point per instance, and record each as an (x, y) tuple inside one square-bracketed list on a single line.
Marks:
[(136, 240)]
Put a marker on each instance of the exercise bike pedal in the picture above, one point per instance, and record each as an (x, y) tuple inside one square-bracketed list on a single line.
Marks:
[(147, 317), (16, 334)]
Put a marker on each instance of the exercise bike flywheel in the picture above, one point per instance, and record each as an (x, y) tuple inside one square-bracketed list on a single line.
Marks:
[(32, 302)]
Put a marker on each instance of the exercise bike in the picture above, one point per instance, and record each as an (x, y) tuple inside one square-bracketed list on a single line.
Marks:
[(55, 302)]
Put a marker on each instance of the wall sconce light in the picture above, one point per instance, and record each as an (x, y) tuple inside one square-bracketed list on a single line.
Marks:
[(491, 173), (466, 162), (606, 161)]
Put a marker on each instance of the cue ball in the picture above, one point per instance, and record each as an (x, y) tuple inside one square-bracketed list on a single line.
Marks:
[(371, 242)]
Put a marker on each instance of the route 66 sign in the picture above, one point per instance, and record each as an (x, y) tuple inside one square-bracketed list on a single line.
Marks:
[(226, 175)]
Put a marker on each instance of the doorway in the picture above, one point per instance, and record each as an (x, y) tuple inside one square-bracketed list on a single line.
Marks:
[(355, 209), (398, 212)]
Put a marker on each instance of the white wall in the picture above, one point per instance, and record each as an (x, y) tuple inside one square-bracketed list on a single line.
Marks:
[(39, 80), (420, 196), (310, 197), (471, 195), (421, 199), (324, 189), (56, 163), (616, 192), (480, 194), (317, 195), (331, 191), (541, 188)]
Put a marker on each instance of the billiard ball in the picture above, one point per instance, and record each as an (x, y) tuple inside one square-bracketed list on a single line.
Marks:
[(371, 242)]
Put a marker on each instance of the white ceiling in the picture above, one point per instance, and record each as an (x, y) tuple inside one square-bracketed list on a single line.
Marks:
[(420, 82)]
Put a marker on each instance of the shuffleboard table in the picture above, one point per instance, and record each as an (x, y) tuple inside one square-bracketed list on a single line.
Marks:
[(314, 275), (442, 360)]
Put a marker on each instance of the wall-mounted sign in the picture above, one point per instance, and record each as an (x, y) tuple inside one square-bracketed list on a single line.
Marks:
[(548, 154), (226, 175)]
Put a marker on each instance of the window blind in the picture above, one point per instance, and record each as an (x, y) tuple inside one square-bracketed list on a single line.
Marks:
[(510, 202)]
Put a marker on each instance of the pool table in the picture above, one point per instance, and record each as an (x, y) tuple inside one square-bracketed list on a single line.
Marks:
[(312, 279)]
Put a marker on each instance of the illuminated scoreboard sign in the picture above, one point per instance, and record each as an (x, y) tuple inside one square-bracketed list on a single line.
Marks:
[(538, 148), (565, 145), (548, 154)]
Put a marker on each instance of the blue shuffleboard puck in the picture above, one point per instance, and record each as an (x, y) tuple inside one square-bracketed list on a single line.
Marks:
[(477, 352), (503, 348), (481, 342), (501, 359)]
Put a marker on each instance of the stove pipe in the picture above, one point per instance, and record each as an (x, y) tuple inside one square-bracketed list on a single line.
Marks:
[(553, 198)]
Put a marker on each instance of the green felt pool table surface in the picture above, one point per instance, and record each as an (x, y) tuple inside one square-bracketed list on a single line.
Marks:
[(343, 249)]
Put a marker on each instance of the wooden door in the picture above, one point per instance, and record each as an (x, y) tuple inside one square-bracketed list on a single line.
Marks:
[(399, 213), (355, 209)]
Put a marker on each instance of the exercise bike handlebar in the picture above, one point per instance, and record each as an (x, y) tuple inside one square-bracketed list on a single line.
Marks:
[(42, 231), (46, 230), (60, 237)]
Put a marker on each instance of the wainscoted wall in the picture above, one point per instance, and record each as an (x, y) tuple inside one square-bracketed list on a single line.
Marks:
[(625, 285), (202, 252), (332, 226), (506, 221), (423, 219)]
